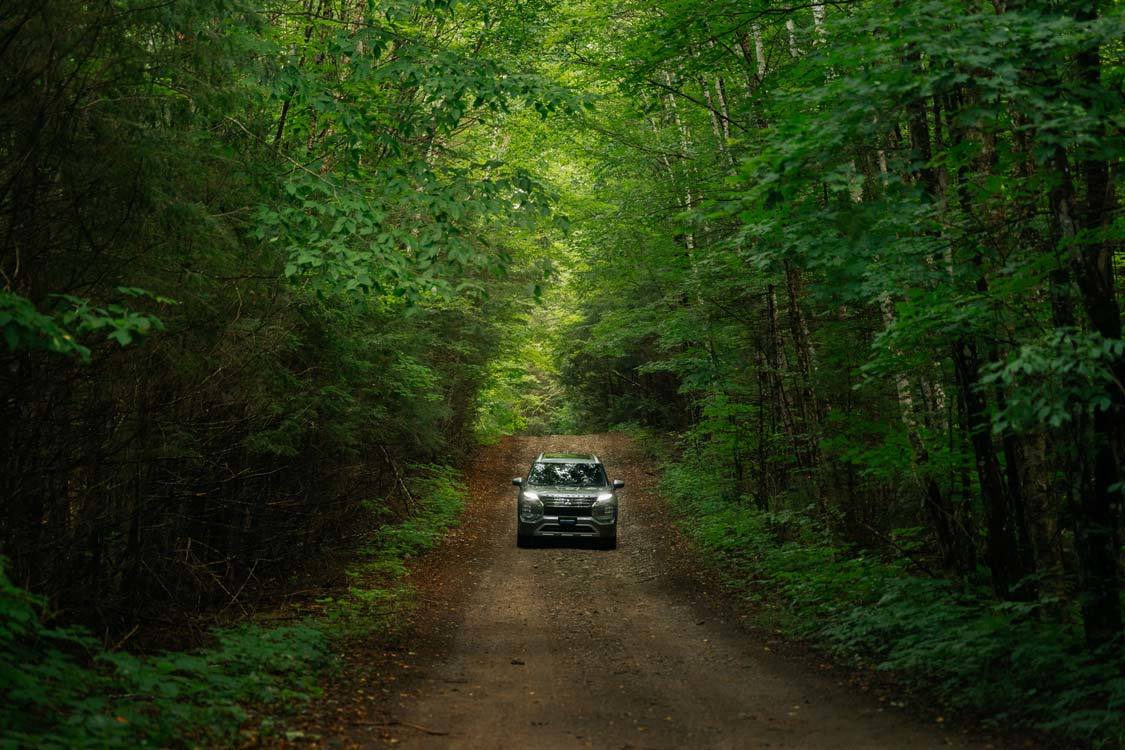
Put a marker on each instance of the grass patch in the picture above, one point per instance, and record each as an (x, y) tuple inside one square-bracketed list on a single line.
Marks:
[(1012, 664), (59, 687)]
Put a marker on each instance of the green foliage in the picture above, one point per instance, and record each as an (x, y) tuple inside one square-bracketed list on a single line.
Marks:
[(328, 201), (322, 193), (25, 327), (1018, 663), (521, 393), (1052, 381), (61, 689), (881, 451)]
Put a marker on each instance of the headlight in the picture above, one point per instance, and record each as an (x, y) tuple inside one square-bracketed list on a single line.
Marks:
[(605, 509), (530, 506)]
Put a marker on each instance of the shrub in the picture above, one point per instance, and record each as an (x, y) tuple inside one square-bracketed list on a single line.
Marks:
[(62, 689)]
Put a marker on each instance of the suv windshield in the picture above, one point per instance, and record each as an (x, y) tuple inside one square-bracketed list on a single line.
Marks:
[(569, 475)]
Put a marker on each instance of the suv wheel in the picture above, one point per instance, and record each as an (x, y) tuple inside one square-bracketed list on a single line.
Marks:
[(608, 543), (524, 541)]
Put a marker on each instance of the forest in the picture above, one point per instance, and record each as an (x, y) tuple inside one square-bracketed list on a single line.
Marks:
[(268, 268)]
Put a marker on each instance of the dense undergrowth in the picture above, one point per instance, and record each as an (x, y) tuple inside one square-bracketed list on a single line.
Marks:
[(63, 688), (1008, 663)]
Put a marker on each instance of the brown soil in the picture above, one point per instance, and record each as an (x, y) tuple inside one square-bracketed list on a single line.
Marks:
[(572, 647)]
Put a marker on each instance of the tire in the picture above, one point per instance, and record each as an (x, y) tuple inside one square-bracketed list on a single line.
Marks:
[(524, 542), (608, 544)]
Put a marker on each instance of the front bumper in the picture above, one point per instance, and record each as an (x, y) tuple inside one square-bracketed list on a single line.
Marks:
[(580, 527)]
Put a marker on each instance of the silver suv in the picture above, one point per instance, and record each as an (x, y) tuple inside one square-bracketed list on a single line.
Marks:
[(567, 495)]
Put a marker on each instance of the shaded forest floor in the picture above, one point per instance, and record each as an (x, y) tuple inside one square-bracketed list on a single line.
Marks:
[(566, 646)]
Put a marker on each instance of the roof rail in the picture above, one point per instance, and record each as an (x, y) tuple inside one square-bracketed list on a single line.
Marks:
[(567, 455)]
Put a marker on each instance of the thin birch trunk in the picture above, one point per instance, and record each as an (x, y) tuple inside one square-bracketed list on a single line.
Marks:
[(716, 124), (685, 148), (721, 93), (775, 352), (760, 52), (818, 22), (791, 28)]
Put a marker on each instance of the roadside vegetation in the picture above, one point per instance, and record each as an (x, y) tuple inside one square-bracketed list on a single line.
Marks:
[(65, 688), (948, 642)]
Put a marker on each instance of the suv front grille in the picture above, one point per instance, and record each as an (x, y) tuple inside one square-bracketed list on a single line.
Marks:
[(567, 505)]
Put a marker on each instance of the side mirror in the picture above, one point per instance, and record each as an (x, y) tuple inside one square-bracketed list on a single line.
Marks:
[(618, 484), (517, 481)]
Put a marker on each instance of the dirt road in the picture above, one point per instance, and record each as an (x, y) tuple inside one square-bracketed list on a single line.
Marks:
[(566, 647)]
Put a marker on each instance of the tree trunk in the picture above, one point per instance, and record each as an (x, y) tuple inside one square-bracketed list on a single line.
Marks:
[(1099, 509), (1006, 555)]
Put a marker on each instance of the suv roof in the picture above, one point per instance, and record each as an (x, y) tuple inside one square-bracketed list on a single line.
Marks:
[(567, 458)]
